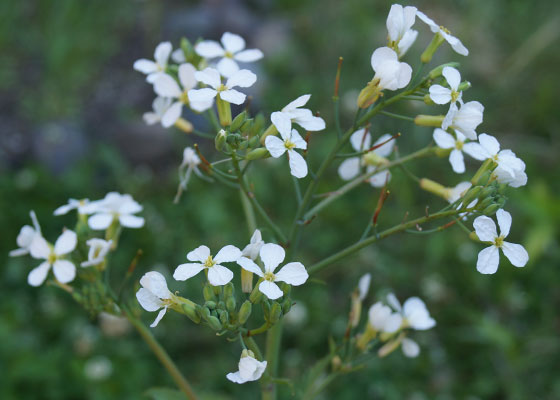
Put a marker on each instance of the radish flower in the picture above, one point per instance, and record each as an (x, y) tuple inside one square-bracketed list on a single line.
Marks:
[(154, 295), (293, 113), (287, 143), (399, 24), (64, 270), (116, 207), (218, 275), (465, 119), (154, 68), (211, 77)]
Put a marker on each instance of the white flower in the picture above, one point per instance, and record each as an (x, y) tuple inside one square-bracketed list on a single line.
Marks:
[(254, 247), (160, 106), (363, 286), (361, 141), (218, 275), (391, 73), (445, 140), (151, 68), (272, 255), (414, 313), (510, 170), (154, 294), (26, 236), (489, 258), (452, 40), (464, 119), (293, 112), (442, 95), (410, 348), (455, 193), (166, 86), (382, 318), (399, 22), (191, 161), (98, 249), (83, 206), (250, 369), (211, 77), (232, 51), (64, 270), (178, 56), (290, 141), (116, 206)]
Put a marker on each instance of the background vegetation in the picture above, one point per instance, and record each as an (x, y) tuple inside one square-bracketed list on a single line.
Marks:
[(71, 123)]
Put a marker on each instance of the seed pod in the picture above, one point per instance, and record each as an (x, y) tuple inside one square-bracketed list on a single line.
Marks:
[(286, 305), (244, 312), (275, 313), (256, 154), (205, 313), (230, 304), (238, 121), (210, 304), (491, 209), (214, 323), (208, 293)]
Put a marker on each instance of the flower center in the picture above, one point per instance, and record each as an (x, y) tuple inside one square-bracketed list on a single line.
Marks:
[(289, 144), (228, 54), (499, 241), (454, 96), (184, 98), (269, 276), (444, 29), (458, 145), (221, 88), (52, 258), (209, 262)]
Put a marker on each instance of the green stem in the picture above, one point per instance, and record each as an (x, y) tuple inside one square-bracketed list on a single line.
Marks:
[(366, 242), (162, 355), (273, 339), (249, 212), (252, 345), (397, 116)]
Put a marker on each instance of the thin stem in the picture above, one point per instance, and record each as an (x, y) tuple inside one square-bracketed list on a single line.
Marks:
[(162, 355), (249, 212), (297, 190), (397, 116), (252, 345), (273, 339)]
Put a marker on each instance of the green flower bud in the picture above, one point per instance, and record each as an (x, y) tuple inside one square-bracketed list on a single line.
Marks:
[(246, 127), (224, 317), (286, 289), (501, 201), (471, 194), (214, 323), (208, 293), (275, 313), (210, 304), (220, 140), (491, 209), (437, 71), (256, 154), (191, 312), (464, 86), (266, 310), (473, 236), (429, 120), (484, 177), (217, 290), (221, 305), (254, 141), (243, 145), (228, 290), (486, 192), (245, 312), (256, 295), (485, 203), (258, 125), (238, 121), (286, 305), (230, 304)]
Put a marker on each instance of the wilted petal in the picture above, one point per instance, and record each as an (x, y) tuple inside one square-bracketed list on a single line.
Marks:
[(293, 273), (488, 260), (235, 377), (159, 317), (270, 290), (38, 274)]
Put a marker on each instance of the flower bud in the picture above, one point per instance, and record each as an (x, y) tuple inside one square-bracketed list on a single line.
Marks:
[(485, 203), (224, 111), (275, 313), (486, 192), (389, 347), (230, 304), (286, 305), (484, 177), (471, 194), (220, 140), (434, 187), (256, 154), (254, 141), (286, 288), (257, 125), (491, 210), (191, 312), (464, 86), (246, 127), (224, 317), (210, 304), (214, 323), (244, 312), (256, 295), (208, 293), (369, 94), (228, 290), (428, 100), (429, 120), (271, 130), (238, 121), (221, 305), (437, 71)]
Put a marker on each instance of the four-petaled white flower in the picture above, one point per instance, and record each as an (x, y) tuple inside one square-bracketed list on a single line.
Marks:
[(442, 95), (510, 169), (154, 68), (254, 247), (26, 236), (167, 86), (489, 258), (232, 51), (361, 141), (160, 106), (116, 206), (211, 77), (218, 275), (191, 161), (293, 113), (392, 73), (445, 140), (83, 206), (290, 141), (154, 295), (449, 38), (98, 249), (363, 286), (382, 318), (464, 119), (250, 369), (64, 270), (414, 313), (399, 24), (272, 255)]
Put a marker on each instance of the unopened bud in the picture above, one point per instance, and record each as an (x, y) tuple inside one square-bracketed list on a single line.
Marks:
[(256, 295), (286, 305), (266, 310), (437, 71), (238, 121), (427, 55), (491, 210), (224, 317), (228, 290), (221, 305), (271, 130), (485, 203), (258, 125), (214, 323), (254, 141), (246, 127), (208, 293), (286, 288), (429, 120), (369, 94), (471, 194), (486, 192), (256, 154), (434, 187), (275, 313), (220, 140), (191, 312), (210, 304), (336, 363), (230, 304), (244, 312)]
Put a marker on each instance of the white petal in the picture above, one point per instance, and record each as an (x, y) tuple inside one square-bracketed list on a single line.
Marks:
[(187, 270), (38, 274), (430, 22), (39, 248), (311, 123), (131, 221), (407, 41), (186, 76), (242, 78), (452, 76), (515, 253), (363, 285), (395, 22), (299, 102), (298, 166), (227, 254), (270, 290), (148, 300), (232, 96), (159, 317), (249, 265), (296, 139), (166, 86), (382, 55), (490, 144), (275, 146), (65, 243), (476, 151), (485, 228), (249, 55), (100, 221), (200, 254), (235, 377), (448, 120), (488, 260), (172, 114), (443, 139), (209, 49), (440, 94), (457, 162), (349, 168), (219, 275), (155, 283), (272, 255), (378, 180), (162, 52), (178, 56), (360, 140), (209, 76), (392, 323), (404, 75), (455, 44), (64, 209), (150, 118), (282, 122), (410, 348), (201, 95), (227, 67), (394, 302), (504, 222), (64, 271), (232, 42), (412, 305), (293, 273), (145, 66)]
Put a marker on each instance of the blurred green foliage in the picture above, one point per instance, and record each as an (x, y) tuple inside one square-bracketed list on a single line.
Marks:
[(497, 336)]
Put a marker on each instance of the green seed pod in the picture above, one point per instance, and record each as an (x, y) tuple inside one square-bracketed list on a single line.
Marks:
[(471, 194), (191, 312), (214, 323), (286, 305), (230, 304), (229, 289), (464, 86), (224, 317), (210, 304), (208, 293), (245, 312), (491, 209), (256, 154), (238, 121), (205, 313), (275, 313)]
